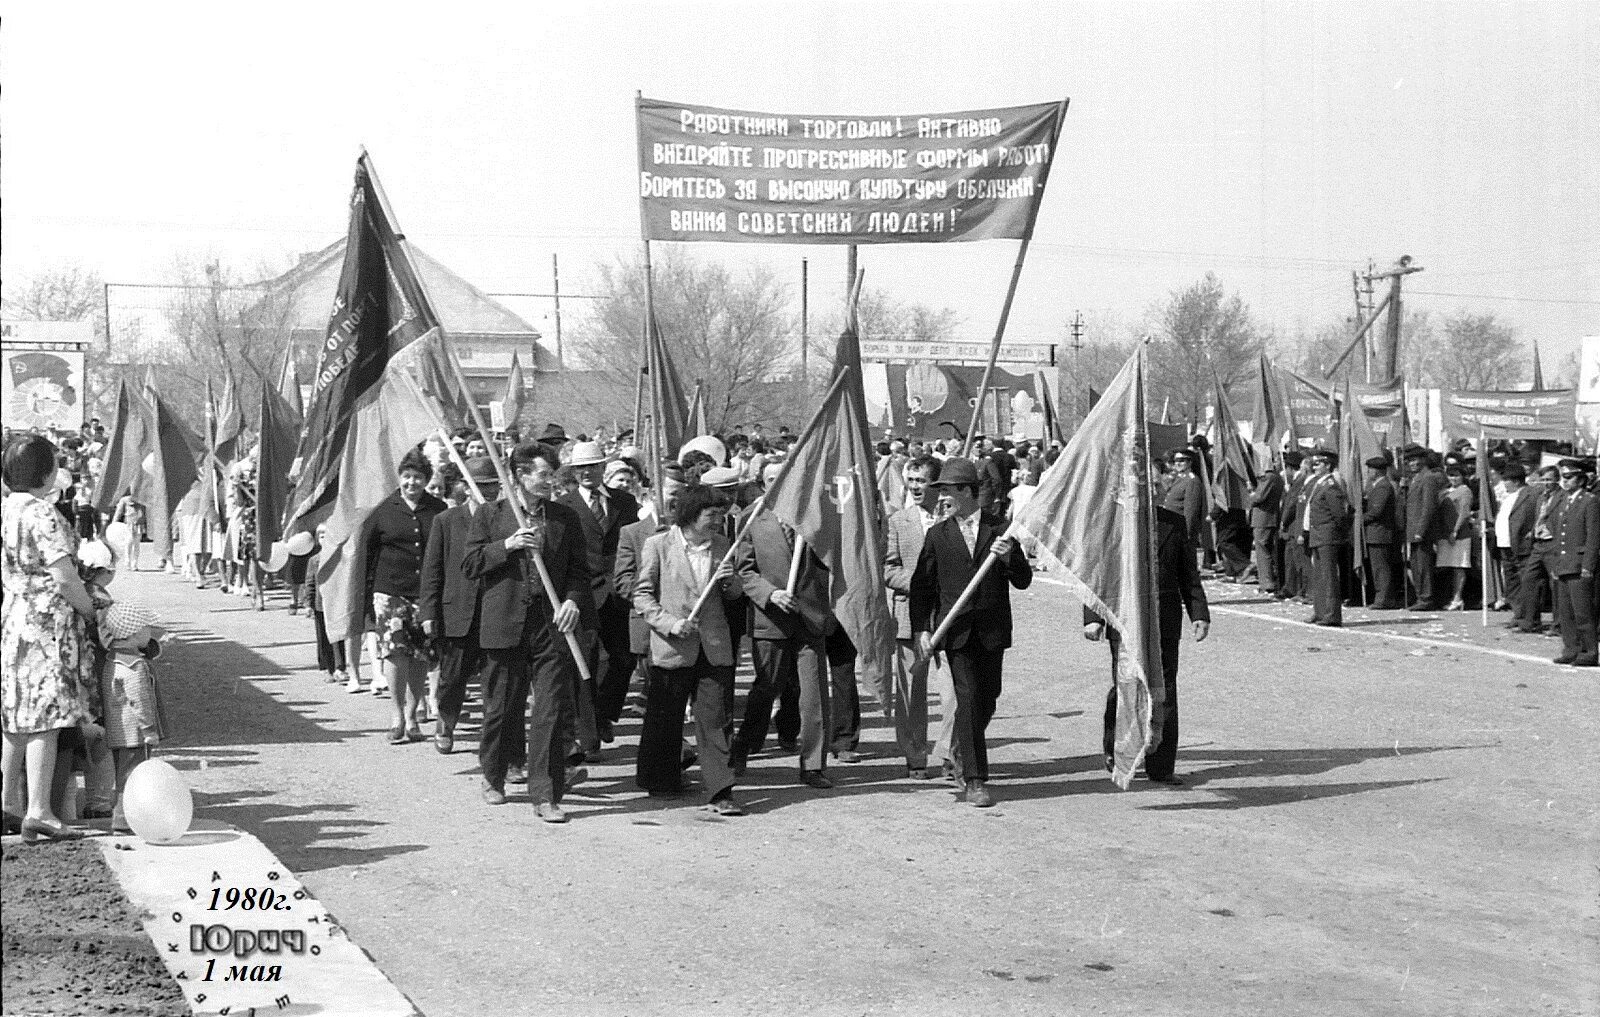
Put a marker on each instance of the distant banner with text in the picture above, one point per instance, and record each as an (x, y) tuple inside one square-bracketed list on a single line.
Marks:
[(1550, 416), (742, 177)]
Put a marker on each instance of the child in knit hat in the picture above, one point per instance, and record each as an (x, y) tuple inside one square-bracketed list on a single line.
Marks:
[(132, 706)]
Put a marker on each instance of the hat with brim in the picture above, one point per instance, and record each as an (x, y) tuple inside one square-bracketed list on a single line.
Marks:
[(588, 453), (1326, 453), (481, 470), (1378, 462), (616, 467), (1187, 455), (123, 619), (553, 432), (955, 472), (1581, 465), (707, 444), (1414, 451), (721, 477)]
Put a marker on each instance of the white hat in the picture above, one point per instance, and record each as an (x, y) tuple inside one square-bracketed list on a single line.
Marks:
[(707, 444), (123, 618), (723, 477), (587, 453)]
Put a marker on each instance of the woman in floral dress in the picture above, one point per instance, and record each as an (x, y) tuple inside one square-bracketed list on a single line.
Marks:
[(47, 669)]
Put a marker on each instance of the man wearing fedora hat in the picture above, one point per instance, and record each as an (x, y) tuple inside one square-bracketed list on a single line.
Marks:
[(1326, 529), (1186, 495), (1379, 523), (1426, 486), (975, 644), (603, 513)]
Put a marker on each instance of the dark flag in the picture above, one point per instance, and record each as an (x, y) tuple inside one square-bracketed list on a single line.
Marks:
[(1357, 443), (696, 416), (667, 406), (385, 376), (511, 402), (1094, 519), (1271, 421), (289, 385), (1047, 404), (280, 433), (827, 492), (1236, 476), (230, 421), (150, 458), (1538, 373)]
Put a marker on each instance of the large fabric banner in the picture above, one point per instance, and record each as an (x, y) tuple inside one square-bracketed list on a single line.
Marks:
[(1549, 416), (41, 382), (736, 176)]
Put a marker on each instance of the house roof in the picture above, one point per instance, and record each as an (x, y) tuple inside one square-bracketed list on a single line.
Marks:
[(463, 309)]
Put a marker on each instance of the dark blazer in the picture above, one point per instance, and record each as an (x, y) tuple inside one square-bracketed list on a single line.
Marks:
[(944, 568), (630, 543), (1293, 508), (1187, 497), (1329, 512), (1378, 517), (1576, 526), (1177, 575), (396, 539), (1523, 512), (1422, 506), (511, 587), (601, 536), (449, 599), (1267, 501), (762, 565)]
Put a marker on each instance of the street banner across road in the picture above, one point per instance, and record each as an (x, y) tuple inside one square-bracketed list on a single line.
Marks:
[(737, 176), (1551, 416)]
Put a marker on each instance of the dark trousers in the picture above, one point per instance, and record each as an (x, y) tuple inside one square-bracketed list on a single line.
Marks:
[(535, 677), (1575, 614), (1233, 542), (612, 680), (459, 662), (1162, 757), (1327, 589), (1384, 561), (976, 674), (845, 715), (1511, 566), (1294, 570), (666, 692), (1423, 559), (1266, 548), (787, 667), (1536, 584)]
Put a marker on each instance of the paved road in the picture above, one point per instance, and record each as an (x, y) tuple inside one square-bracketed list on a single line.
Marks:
[(1372, 826)]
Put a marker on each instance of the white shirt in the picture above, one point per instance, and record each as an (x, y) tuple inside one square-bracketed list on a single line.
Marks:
[(969, 531), (1502, 519), (928, 518), (699, 559)]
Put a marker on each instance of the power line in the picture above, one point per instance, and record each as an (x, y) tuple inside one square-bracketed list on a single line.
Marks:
[(1497, 296)]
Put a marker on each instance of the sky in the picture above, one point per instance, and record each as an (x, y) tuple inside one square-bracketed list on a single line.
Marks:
[(1277, 145)]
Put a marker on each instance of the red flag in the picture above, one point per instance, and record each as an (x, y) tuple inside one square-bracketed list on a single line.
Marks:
[(382, 384), (695, 418), (668, 407), (827, 492), (1094, 520), (280, 431), (289, 386), (1236, 478), (511, 402), (149, 457)]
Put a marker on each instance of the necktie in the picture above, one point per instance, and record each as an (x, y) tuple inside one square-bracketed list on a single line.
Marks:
[(597, 505)]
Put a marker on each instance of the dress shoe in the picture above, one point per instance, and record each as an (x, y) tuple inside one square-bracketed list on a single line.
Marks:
[(787, 745), (738, 760), (847, 756), (917, 773), (516, 774), (978, 795), (947, 771), (415, 734), (550, 812), (727, 806), (1171, 780), (594, 756), (443, 741), (603, 729), (669, 792), (1565, 658), (816, 779), (1586, 660), (575, 775), (690, 757), (35, 830), (493, 795), (1423, 605), (397, 735)]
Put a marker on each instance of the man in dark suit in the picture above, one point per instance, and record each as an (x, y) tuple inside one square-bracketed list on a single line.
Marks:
[(449, 601), (1291, 511), (1379, 525), (1326, 527), (1266, 504), (1186, 495), (1178, 586), (522, 635), (1422, 530), (1512, 541), (788, 636), (1535, 583), (1574, 521), (975, 644), (603, 513)]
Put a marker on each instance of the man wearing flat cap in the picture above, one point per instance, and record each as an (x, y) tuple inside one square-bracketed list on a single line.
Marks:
[(1379, 522), (1292, 576), (1326, 528), (975, 644), (1574, 523), (603, 513), (1422, 523)]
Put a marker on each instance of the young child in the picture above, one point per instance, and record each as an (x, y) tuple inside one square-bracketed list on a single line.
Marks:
[(132, 707), (330, 655)]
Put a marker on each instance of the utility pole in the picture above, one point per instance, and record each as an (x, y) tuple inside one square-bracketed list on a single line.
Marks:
[(1079, 396), (1391, 300), (555, 277), (805, 335)]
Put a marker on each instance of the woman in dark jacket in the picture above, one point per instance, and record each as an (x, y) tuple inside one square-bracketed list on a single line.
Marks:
[(395, 536)]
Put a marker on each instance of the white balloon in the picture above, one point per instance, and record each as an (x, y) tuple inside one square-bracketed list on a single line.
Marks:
[(277, 557), (118, 534), (301, 543), (157, 802)]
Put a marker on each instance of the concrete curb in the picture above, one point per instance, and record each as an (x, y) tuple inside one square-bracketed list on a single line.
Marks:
[(239, 932)]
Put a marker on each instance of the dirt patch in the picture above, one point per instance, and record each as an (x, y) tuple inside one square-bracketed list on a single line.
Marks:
[(71, 943)]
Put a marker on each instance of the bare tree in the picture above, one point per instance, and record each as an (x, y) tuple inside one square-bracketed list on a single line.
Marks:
[(1478, 352), (1201, 330)]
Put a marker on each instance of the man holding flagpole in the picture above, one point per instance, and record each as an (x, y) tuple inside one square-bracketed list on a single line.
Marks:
[(980, 633)]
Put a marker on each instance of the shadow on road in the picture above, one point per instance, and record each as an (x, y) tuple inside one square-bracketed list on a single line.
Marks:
[(295, 834)]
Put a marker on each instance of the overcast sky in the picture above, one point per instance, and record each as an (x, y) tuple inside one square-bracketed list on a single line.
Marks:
[(1279, 145)]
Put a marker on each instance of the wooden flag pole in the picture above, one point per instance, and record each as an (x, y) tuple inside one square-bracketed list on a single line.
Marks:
[(972, 588), (1483, 530), (705, 594), (794, 563)]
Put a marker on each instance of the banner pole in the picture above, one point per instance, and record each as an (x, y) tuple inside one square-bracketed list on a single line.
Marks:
[(750, 516), (1483, 530), (972, 588), (1011, 288), (644, 350), (794, 564)]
